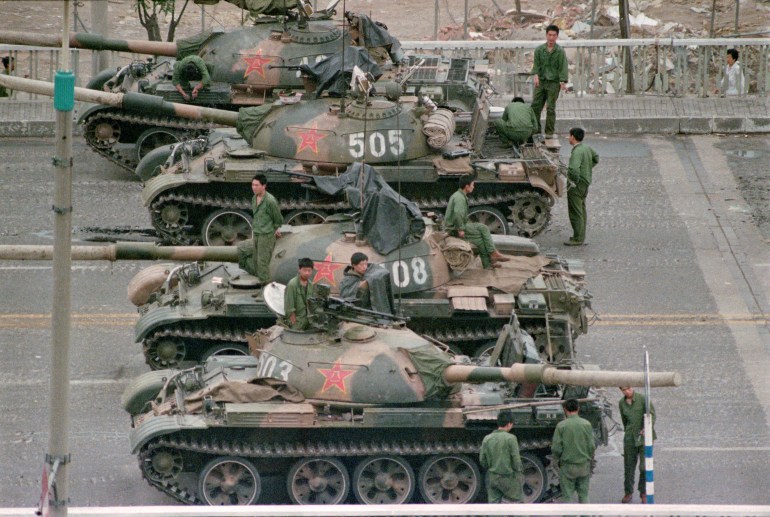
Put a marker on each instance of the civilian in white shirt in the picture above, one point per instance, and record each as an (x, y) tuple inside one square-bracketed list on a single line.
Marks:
[(733, 82)]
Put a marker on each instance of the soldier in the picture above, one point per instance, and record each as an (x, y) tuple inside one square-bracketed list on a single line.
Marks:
[(456, 223), (190, 68), (298, 292), (581, 164), (632, 407), (518, 122), (573, 451), (9, 64), (354, 286), (499, 456), (266, 226), (550, 76)]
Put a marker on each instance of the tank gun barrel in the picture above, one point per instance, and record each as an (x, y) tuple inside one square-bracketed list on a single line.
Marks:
[(129, 101), (88, 41), (549, 375), (125, 251)]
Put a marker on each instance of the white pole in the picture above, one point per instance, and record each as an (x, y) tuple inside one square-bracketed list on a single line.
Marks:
[(648, 463)]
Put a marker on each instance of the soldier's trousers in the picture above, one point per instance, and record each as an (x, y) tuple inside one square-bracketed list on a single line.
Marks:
[(517, 136), (633, 455), (478, 235), (264, 243), (576, 207), (506, 488), (574, 478), (546, 95)]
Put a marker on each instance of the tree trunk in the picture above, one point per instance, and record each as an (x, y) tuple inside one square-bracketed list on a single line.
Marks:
[(625, 34)]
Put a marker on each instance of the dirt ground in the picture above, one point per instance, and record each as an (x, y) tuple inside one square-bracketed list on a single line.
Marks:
[(411, 19)]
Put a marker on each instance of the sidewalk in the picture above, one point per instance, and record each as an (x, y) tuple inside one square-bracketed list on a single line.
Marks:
[(608, 115)]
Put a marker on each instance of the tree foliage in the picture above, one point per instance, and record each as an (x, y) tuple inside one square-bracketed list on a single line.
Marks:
[(150, 12)]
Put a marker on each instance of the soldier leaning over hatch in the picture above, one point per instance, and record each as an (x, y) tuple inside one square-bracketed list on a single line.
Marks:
[(191, 68)]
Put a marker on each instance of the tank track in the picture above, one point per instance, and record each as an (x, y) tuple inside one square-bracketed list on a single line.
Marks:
[(118, 158), (292, 450), (197, 330), (179, 236)]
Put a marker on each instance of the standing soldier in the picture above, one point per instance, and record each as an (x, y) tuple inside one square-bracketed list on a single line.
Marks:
[(266, 227), (550, 76), (517, 124), (298, 292), (499, 455), (573, 451), (456, 223), (632, 407), (580, 169)]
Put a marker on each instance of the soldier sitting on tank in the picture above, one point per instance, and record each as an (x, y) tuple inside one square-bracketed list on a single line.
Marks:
[(517, 124), (298, 292), (190, 68), (456, 223), (367, 285)]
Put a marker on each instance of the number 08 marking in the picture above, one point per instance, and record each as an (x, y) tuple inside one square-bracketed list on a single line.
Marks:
[(401, 269)]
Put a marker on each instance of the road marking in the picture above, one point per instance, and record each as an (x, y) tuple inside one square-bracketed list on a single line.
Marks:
[(73, 382), (712, 449)]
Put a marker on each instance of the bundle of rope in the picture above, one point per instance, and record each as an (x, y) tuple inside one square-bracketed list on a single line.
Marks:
[(457, 252), (439, 128)]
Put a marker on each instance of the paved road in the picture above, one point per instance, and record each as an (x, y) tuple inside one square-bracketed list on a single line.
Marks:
[(675, 259)]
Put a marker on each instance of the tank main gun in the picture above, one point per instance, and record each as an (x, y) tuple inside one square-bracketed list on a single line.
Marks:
[(84, 40), (130, 101), (125, 251)]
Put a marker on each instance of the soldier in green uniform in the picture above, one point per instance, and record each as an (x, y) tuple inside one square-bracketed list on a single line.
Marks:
[(456, 223), (266, 226), (354, 286), (499, 456), (295, 299), (573, 449), (581, 164), (632, 407), (518, 122), (190, 68), (550, 76)]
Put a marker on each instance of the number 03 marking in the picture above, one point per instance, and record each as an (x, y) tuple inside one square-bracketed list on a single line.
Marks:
[(401, 270)]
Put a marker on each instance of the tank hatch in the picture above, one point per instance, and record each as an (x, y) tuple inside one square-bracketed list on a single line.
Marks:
[(245, 281), (359, 334), (377, 109), (314, 37)]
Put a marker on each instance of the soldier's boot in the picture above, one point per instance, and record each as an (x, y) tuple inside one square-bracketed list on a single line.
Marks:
[(496, 256), (627, 498)]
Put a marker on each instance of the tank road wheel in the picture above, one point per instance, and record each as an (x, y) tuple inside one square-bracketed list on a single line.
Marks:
[(530, 213), (483, 351), (170, 217), (300, 217), (149, 166), (318, 481), (383, 480), (535, 478), (163, 465), (226, 227), (224, 349), (164, 352), (452, 479), (102, 133), (229, 481), (489, 216), (154, 138)]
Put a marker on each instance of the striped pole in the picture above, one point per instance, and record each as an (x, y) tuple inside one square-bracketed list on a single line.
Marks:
[(648, 464)]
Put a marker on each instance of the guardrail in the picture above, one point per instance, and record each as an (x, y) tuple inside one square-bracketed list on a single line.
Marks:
[(668, 67)]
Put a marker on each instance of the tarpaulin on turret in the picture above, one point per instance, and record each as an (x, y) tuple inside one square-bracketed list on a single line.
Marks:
[(371, 34), (333, 74), (388, 219)]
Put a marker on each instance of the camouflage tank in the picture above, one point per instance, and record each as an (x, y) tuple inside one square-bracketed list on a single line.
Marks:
[(357, 404), (248, 67)]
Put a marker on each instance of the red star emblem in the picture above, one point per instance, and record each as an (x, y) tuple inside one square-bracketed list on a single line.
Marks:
[(335, 377), (325, 270), (256, 64), (310, 138)]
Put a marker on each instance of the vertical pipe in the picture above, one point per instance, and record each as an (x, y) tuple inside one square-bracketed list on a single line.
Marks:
[(100, 25), (435, 20), (737, 10), (648, 435), (203, 18), (465, 22), (593, 18), (58, 444)]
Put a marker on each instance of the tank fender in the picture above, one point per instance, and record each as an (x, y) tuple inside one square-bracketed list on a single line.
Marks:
[(162, 425), (94, 108), (151, 320), (539, 183)]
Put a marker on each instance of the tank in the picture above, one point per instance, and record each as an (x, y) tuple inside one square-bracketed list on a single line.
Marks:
[(356, 409), (248, 66)]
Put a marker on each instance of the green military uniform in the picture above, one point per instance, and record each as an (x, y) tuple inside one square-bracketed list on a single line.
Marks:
[(551, 69), (573, 449), (295, 301), (581, 164), (632, 416), (353, 288), (517, 124), (179, 66), (5, 92), (456, 219), (267, 219), (500, 457)]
